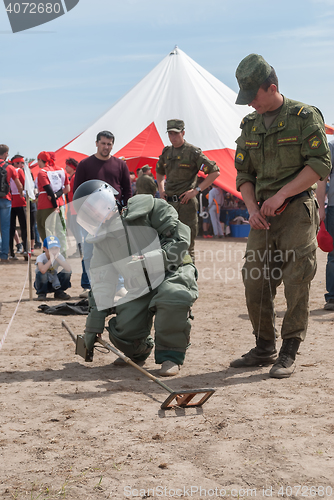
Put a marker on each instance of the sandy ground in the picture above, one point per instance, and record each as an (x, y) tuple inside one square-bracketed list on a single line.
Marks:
[(77, 430)]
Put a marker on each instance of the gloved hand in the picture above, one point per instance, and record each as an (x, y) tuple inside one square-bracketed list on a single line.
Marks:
[(90, 339), (94, 322)]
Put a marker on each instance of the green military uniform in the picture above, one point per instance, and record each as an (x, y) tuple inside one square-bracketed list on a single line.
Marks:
[(270, 159), (181, 166), (169, 302), (145, 184)]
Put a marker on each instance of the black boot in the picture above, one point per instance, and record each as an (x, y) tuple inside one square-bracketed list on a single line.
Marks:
[(285, 364), (263, 354)]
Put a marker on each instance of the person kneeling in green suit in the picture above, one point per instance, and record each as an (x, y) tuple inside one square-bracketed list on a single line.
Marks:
[(146, 244)]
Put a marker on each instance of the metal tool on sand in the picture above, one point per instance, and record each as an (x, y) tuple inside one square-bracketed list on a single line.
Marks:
[(176, 399)]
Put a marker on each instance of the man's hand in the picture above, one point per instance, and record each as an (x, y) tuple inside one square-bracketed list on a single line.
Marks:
[(187, 195), (322, 213), (163, 195), (270, 206), (257, 220)]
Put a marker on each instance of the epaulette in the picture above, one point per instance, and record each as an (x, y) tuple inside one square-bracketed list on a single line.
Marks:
[(300, 110), (248, 118), (165, 149)]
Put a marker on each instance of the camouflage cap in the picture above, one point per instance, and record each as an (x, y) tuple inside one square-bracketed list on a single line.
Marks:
[(175, 125), (252, 71)]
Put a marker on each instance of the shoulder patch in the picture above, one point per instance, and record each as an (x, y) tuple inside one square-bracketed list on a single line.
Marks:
[(239, 157), (315, 142), (204, 168)]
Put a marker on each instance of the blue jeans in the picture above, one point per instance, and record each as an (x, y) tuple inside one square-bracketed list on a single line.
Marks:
[(5, 210), (85, 281), (37, 237), (88, 254), (43, 286), (330, 258)]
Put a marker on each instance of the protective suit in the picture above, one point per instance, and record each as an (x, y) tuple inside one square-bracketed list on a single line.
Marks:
[(148, 246)]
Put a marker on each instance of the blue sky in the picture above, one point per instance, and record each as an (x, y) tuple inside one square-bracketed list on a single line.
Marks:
[(59, 78)]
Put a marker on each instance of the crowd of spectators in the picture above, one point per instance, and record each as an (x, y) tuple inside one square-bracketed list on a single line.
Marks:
[(54, 187)]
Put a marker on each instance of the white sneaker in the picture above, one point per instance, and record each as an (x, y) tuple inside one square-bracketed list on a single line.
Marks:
[(169, 369), (84, 294)]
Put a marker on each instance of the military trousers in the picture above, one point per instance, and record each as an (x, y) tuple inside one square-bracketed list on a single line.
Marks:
[(169, 304), (286, 253), (188, 215)]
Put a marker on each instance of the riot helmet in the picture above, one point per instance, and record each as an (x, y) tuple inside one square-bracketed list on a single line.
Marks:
[(94, 201)]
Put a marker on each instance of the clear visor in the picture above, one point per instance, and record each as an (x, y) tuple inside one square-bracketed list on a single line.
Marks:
[(96, 209)]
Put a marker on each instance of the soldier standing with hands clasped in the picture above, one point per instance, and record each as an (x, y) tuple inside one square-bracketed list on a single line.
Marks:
[(281, 154), (180, 163)]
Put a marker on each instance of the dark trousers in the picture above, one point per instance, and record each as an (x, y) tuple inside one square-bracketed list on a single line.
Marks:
[(20, 213), (43, 286)]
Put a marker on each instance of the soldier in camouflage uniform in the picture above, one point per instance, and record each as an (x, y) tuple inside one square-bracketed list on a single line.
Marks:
[(145, 183), (281, 154), (180, 163)]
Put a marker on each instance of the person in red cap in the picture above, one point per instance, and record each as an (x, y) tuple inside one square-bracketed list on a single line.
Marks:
[(52, 184), (327, 215), (7, 172), (18, 208)]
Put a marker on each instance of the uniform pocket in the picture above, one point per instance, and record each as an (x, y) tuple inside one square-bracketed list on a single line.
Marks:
[(289, 148), (311, 207), (184, 172), (254, 150)]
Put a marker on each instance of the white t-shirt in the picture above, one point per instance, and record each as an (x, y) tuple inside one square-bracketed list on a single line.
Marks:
[(216, 194), (43, 260)]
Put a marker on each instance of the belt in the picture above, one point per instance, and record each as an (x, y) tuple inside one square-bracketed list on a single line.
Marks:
[(291, 198), (175, 198), (300, 195)]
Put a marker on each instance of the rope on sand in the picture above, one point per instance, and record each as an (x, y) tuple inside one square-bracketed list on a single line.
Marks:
[(16, 308)]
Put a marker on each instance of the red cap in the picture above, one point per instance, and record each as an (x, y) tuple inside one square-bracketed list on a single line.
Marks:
[(52, 158), (44, 156), (325, 241)]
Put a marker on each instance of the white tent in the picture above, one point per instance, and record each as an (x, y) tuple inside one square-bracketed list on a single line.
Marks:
[(176, 88)]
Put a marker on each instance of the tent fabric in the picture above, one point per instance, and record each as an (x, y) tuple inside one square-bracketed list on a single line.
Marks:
[(177, 87), (329, 130)]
